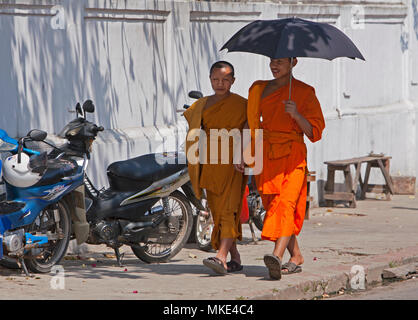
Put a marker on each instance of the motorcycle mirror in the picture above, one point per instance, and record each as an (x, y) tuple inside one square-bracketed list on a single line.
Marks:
[(88, 106), (195, 94), (78, 109), (37, 135)]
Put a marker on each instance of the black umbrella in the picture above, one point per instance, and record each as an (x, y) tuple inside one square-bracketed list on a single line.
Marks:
[(293, 37)]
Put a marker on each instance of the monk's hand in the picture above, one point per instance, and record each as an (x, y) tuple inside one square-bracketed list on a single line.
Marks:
[(240, 166), (291, 109)]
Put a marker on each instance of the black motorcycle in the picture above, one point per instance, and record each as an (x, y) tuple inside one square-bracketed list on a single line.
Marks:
[(143, 207)]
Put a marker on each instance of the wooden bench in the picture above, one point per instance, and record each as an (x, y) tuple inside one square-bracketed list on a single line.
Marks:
[(373, 161)]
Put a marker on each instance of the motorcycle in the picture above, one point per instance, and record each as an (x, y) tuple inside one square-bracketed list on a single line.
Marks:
[(35, 219), (143, 207)]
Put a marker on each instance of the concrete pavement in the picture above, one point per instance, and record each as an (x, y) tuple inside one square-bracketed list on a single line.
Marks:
[(377, 234)]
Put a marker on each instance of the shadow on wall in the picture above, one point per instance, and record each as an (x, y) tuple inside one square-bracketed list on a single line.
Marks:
[(47, 70), (49, 65)]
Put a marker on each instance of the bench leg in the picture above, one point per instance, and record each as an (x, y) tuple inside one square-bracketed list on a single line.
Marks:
[(329, 186), (366, 181), (349, 186), (385, 171)]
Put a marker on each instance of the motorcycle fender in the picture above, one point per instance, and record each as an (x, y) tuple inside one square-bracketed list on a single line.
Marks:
[(77, 208)]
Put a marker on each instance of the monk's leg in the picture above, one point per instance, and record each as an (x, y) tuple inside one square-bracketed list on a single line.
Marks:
[(235, 256), (224, 248), (294, 250), (280, 225), (280, 246), (293, 247)]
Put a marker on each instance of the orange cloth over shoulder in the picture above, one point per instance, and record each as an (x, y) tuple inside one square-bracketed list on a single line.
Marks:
[(215, 170), (282, 181)]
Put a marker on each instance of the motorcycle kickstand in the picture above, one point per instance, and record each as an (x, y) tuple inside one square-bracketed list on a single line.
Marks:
[(250, 222), (23, 266), (119, 257)]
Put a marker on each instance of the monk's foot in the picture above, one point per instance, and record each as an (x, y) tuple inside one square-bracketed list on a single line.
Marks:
[(293, 266), (216, 265), (223, 260), (298, 260), (236, 258)]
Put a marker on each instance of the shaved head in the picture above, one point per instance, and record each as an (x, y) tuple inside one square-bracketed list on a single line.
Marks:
[(220, 65)]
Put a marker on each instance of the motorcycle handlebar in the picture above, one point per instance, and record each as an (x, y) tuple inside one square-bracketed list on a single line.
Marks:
[(97, 129)]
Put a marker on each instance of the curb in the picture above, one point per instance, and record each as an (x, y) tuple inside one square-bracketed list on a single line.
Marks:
[(345, 280)]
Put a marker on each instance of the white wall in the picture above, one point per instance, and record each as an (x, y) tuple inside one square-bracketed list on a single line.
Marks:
[(138, 59)]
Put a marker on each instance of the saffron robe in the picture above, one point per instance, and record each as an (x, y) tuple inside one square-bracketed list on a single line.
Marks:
[(214, 171), (282, 182)]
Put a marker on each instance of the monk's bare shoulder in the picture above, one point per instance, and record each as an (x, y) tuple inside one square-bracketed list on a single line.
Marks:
[(258, 83)]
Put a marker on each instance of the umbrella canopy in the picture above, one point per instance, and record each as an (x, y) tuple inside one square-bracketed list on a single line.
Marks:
[(293, 37)]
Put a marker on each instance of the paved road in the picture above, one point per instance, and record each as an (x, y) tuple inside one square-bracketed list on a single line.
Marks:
[(333, 241), (404, 290)]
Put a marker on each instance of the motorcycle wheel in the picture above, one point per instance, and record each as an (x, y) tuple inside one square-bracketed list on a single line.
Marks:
[(192, 237), (179, 207), (203, 231), (56, 249)]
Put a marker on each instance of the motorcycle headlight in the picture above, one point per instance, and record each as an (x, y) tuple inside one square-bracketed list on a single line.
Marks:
[(73, 132), (6, 146)]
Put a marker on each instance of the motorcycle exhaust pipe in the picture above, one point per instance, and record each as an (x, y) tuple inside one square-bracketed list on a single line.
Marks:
[(137, 226)]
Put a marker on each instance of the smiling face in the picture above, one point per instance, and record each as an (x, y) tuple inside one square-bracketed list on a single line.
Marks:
[(280, 68), (221, 80)]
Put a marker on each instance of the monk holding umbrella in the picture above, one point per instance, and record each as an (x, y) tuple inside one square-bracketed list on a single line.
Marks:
[(286, 110)]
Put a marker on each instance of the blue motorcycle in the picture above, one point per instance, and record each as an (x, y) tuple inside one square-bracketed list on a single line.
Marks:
[(35, 218)]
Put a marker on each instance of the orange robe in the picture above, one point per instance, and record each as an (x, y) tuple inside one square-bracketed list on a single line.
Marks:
[(282, 183), (215, 171)]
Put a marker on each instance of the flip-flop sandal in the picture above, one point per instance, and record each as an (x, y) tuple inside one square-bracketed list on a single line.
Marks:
[(274, 265), (215, 264), (291, 268), (233, 266)]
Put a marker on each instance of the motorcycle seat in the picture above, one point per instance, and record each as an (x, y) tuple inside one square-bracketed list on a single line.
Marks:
[(138, 173)]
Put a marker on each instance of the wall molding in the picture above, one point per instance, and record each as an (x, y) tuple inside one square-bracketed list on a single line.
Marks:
[(21, 9), (370, 13), (384, 15), (223, 16), (127, 15), (326, 18), (319, 13)]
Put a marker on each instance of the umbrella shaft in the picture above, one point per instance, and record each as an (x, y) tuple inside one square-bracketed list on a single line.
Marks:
[(290, 82)]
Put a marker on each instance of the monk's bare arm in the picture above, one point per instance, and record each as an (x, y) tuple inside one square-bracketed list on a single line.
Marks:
[(240, 167), (305, 126)]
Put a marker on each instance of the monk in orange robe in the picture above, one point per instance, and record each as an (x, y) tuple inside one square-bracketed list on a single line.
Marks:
[(221, 116), (282, 183)]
